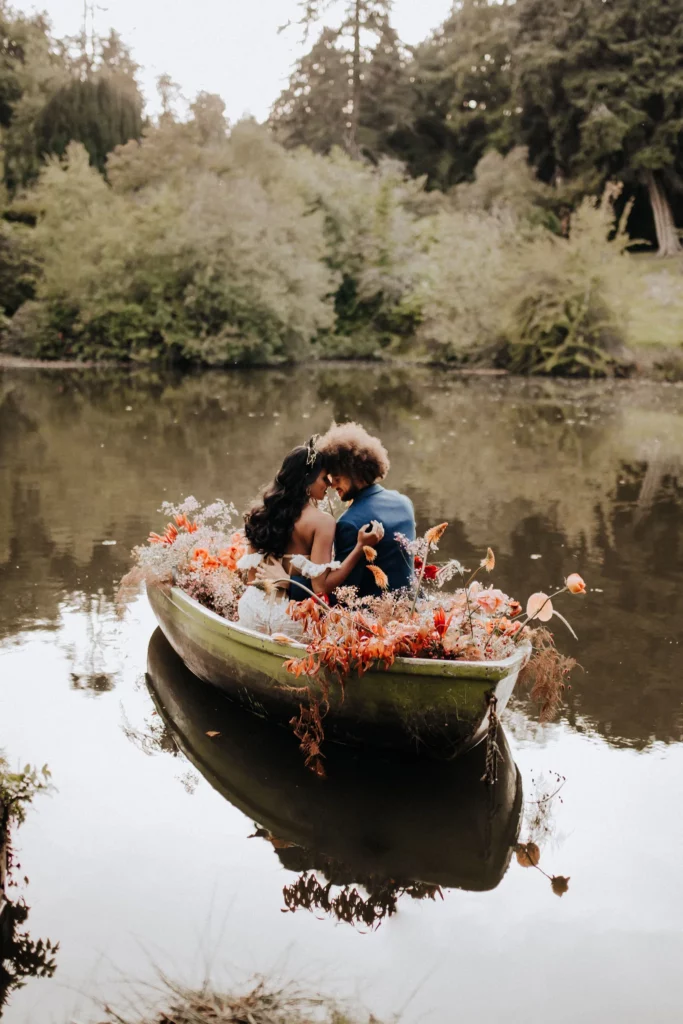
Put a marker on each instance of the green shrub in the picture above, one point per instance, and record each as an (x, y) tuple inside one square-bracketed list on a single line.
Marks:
[(567, 305), (18, 267)]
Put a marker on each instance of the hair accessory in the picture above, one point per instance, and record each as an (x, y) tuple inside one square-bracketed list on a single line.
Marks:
[(312, 450)]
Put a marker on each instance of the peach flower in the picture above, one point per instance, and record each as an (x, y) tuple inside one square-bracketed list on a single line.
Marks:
[(539, 606), (492, 601), (434, 535), (575, 584)]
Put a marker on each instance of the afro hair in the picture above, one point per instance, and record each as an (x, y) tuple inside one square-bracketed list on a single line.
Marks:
[(349, 450)]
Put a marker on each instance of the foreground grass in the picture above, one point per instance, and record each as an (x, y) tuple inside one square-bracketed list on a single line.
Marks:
[(263, 1004)]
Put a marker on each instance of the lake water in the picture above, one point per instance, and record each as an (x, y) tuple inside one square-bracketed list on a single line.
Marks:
[(146, 858)]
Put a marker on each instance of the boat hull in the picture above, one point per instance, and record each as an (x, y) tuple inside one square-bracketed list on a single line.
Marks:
[(374, 818), (437, 707)]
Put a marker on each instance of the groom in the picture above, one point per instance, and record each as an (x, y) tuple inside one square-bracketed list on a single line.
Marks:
[(355, 463)]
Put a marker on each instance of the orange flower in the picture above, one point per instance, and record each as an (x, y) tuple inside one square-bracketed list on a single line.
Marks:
[(380, 576), (170, 534), (168, 538), (434, 535), (183, 523), (441, 623), (575, 584), (489, 562), (369, 553)]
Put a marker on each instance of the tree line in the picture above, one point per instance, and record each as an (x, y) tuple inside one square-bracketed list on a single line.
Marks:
[(470, 200), (592, 88)]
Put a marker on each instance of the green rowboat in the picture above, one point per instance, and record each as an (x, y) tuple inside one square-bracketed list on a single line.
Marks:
[(422, 705)]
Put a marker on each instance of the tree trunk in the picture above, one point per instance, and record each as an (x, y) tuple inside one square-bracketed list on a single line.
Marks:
[(355, 96), (667, 236)]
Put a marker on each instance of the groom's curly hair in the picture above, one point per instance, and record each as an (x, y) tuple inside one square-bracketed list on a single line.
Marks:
[(348, 449)]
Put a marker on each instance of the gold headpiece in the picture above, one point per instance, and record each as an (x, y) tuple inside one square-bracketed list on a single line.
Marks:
[(312, 450)]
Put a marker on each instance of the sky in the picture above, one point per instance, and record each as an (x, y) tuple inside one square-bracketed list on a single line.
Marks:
[(230, 47)]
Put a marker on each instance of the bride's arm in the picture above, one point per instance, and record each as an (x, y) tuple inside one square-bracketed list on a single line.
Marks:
[(323, 549)]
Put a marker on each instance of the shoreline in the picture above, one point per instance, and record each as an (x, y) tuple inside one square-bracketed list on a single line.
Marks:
[(669, 369)]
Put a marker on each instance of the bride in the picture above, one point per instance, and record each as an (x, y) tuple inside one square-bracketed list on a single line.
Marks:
[(288, 535)]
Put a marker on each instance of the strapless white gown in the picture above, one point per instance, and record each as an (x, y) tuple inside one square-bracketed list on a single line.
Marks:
[(267, 613)]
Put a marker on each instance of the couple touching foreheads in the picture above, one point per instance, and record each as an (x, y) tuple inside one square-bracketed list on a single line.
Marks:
[(292, 541)]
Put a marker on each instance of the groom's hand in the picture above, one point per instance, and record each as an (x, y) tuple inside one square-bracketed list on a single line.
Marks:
[(371, 534)]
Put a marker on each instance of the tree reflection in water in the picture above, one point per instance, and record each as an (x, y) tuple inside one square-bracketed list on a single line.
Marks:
[(21, 957)]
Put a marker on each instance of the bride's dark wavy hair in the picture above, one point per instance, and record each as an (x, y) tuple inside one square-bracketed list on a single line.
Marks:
[(269, 525)]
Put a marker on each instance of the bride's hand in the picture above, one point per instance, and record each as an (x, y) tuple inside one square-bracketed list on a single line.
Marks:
[(371, 534)]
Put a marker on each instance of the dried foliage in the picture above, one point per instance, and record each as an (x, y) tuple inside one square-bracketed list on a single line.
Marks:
[(546, 674), (308, 729), (348, 904), (264, 1003)]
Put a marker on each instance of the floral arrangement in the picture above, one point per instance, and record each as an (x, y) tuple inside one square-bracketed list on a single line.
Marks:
[(198, 551), (473, 623)]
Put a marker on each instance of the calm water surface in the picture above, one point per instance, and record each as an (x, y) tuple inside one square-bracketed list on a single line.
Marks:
[(146, 853)]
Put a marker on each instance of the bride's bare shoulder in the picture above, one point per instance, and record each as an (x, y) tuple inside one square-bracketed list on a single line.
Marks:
[(317, 519)]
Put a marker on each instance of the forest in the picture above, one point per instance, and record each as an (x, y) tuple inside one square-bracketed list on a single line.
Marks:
[(507, 194)]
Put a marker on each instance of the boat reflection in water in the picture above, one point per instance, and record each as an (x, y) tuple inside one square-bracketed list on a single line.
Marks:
[(392, 826)]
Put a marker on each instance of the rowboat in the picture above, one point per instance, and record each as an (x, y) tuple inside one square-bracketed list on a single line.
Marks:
[(418, 704), (375, 817)]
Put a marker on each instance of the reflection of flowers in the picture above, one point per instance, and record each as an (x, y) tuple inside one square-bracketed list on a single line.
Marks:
[(538, 828), (559, 884)]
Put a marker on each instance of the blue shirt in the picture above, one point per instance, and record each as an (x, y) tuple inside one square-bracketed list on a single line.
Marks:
[(396, 514)]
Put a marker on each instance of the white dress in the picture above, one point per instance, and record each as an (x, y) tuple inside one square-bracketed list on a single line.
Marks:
[(267, 613)]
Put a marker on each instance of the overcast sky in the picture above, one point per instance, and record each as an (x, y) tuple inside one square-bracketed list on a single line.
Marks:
[(231, 47)]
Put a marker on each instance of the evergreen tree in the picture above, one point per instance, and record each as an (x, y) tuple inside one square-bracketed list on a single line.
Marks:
[(462, 93), (600, 83), (95, 112), (386, 102), (313, 110), (30, 70), (360, 17)]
